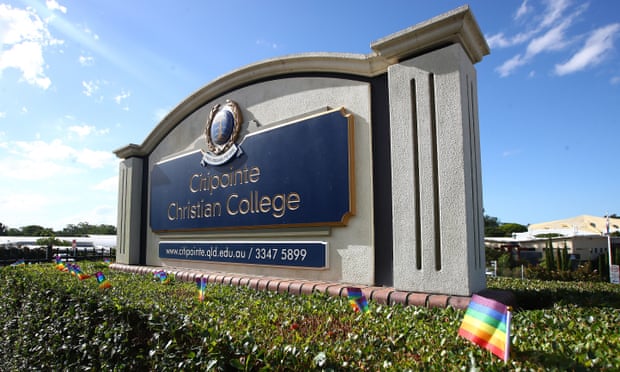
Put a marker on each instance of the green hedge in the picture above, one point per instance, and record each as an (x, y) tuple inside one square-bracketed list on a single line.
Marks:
[(53, 321)]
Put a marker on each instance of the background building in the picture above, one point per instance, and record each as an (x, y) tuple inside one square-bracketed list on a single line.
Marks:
[(584, 236)]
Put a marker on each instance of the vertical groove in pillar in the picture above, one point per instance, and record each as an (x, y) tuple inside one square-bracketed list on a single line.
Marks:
[(476, 187), (123, 207), (416, 176), (435, 176)]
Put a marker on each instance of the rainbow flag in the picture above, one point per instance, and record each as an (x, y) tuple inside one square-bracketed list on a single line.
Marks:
[(357, 300), (201, 284), (487, 324), (60, 265), (162, 276), (80, 274), (101, 279)]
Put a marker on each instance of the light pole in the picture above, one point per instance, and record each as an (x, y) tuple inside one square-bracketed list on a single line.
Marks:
[(613, 269)]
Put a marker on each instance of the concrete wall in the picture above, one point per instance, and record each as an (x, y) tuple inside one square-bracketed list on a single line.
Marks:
[(351, 249)]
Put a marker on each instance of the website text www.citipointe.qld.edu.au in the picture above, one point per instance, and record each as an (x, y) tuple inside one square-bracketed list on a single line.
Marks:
[(248, 253)]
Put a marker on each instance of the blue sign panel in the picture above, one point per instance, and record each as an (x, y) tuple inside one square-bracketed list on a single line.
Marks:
[(295, 254), (295, 174)]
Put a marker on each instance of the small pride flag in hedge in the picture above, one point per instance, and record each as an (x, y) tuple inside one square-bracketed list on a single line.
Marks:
[(101, 279), (357, 300), (487, 324), (77, 271), (162, 276), (201, 284), (60, 265)]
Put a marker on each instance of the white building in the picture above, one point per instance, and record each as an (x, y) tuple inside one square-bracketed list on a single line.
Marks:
[(584, 236)]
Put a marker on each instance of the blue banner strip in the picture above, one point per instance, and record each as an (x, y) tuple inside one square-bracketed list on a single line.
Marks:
[(293, 254)]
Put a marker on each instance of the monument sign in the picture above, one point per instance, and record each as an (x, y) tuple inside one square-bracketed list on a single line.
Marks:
[(361, 169)]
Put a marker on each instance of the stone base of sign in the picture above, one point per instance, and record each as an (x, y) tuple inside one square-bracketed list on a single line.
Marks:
[(379, 295)]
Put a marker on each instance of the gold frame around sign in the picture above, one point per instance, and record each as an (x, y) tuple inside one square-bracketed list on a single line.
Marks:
[(352, 183)]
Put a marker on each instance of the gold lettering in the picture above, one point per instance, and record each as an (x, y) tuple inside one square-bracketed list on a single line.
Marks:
[(292, 202), (228, 210), (244, 206), (254, 174), (279, 206), (265, 204), (192, 188), (171, 208)]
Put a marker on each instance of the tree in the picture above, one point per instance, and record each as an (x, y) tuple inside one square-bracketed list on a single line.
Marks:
[(491, 226), (549, 260), (36, 230), (14, 232), (2, 229), (509, 228), (84, 228)]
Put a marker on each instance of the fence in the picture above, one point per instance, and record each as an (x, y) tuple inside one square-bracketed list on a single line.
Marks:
[(9, 255)]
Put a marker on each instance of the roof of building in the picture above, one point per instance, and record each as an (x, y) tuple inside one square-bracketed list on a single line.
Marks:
[(580, 225)]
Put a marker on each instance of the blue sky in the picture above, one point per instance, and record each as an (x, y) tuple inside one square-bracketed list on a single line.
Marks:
[(80, 79)]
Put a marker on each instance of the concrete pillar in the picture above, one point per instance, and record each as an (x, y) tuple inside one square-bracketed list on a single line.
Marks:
[(436, 182), (129, 211)]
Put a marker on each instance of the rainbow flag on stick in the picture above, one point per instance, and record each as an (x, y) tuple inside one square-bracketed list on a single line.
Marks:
[(487, 324), (201, 284), (162, 276), (60, 265), (101, 279), (357, 300), (19, 262)]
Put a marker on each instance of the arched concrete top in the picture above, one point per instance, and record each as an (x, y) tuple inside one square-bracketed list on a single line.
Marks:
[(454, 27)]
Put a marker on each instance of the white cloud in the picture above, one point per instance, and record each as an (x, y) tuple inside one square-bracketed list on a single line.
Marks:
[(593, 52), (82, 130), (90, 87), (94, 158), (512, 152), (267, 44), (615, 80), (497, 40), (108, 185), (53, 5), (86, 60), (23, 201), (27, 57), (547, 32), (523, 10), (2, 115), (122, 96), (40, 160), (23, 39), (551, 40), (510, 65), (555, 9), (100, 214)]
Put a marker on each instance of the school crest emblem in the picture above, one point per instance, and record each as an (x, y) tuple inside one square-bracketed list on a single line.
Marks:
[(221, 132)]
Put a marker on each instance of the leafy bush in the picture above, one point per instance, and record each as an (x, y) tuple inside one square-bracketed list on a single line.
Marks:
[(53, 321)]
